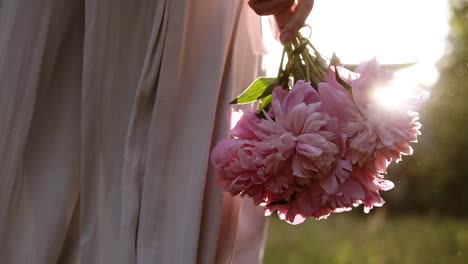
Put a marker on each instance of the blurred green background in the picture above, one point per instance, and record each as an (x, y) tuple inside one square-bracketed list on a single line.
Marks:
[(425, 217)]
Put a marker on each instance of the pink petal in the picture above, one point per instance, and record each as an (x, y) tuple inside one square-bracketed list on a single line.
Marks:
[(246, 126), (345, 74), (222, 151), (329, 184), (337, 103), (277, 99), (371, 76), (302, 92), (353, 190)]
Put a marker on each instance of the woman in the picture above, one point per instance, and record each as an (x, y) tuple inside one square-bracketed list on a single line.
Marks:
[(108, 112)]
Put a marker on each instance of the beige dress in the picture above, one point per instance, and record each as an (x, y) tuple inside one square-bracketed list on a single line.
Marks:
[(108, 112)]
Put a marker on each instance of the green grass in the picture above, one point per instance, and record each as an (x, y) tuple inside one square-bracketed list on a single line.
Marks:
[(375, 238)]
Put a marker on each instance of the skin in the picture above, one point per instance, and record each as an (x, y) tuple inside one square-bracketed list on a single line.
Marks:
[(289, 15)]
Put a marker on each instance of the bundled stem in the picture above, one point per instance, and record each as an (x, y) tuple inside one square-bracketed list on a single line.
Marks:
[(301, 65)]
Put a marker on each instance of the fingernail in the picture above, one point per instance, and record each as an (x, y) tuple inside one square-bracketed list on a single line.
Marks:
[(285, 37)]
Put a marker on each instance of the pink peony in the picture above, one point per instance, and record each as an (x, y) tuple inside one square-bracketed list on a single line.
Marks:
[(247, 126), (371, 184), (360, 188), (300, 131), (375, 135), (388, 132), (317, 153), (240, 168)]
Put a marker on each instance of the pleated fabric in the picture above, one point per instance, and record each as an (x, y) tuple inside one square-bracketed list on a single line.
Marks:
[(108, 112)]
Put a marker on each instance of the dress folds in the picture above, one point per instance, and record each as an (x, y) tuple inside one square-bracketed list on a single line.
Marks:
[(108, 112)]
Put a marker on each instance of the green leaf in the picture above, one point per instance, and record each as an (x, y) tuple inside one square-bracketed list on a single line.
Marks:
[(258, 89), (268, 91), (265, 102), (394, 67), (264, 105), (341, 81)]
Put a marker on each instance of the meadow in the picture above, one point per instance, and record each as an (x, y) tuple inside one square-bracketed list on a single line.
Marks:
[(374, 239)]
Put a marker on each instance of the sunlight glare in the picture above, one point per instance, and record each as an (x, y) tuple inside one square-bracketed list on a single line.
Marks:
[(403, 87), (389, 97), (398, 31)]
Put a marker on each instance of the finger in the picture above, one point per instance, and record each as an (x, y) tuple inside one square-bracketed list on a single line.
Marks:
[(297, 20), (284, 16), (269, 7)]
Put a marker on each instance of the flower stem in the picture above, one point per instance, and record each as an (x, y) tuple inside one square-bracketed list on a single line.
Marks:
[(280, 70)]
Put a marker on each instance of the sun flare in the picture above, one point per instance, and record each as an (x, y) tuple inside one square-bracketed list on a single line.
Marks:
[(403, 87), (389, 97), (393, 31)]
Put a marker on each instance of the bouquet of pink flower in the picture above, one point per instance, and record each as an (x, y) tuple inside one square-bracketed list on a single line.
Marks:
[(319, 142)]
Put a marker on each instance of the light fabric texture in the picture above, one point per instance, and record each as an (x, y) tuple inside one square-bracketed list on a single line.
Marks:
[(108, 111)]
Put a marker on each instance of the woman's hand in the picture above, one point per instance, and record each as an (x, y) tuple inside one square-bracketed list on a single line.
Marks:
[(289, 16)]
